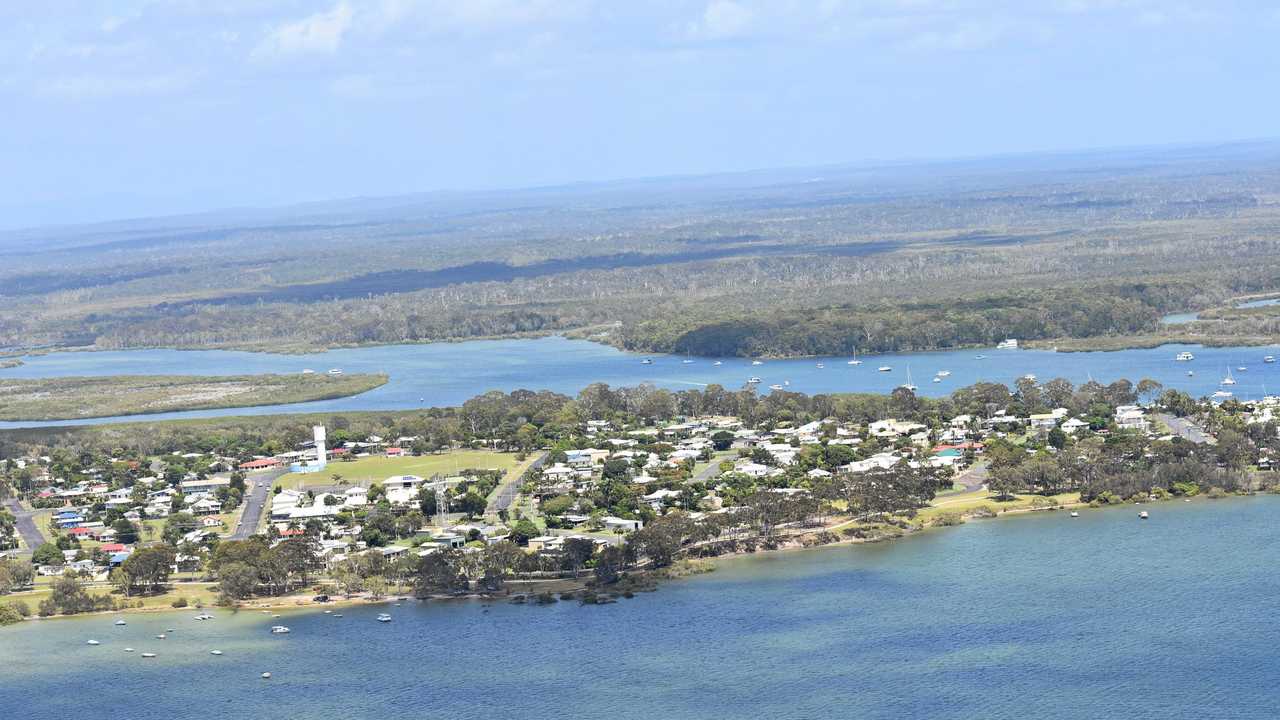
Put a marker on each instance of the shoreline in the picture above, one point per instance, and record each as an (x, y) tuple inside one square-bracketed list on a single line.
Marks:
[(647, 580)]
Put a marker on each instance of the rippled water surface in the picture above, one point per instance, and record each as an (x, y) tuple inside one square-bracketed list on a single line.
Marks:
[(1029, 617)]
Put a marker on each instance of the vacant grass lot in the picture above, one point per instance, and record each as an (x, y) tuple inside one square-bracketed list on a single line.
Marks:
[(377, 468)]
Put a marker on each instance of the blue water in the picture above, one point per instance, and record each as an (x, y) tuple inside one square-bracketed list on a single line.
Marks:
[(443, 374), (1019, 618)]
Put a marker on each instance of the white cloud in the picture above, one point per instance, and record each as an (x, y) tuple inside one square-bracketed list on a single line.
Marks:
[(319, 33), (720, 20)]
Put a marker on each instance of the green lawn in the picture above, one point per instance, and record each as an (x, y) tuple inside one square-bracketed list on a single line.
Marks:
[(364, 470)]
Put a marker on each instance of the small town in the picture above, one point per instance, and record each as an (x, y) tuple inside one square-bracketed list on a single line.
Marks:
[(538, 496)]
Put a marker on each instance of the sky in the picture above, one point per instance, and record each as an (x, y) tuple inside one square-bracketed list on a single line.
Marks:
[(127, 108)]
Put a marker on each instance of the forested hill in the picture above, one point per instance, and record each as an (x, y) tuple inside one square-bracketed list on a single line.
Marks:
[(882, 327), (803, 261)]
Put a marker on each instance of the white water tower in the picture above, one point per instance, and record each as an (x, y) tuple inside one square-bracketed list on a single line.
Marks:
[(321, 447)]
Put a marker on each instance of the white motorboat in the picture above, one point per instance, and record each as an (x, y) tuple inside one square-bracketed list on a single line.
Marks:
[(854, 362), (1241, 368), (1008, 344), (383, 617), (820, 366), (308, 371), (121, 622), (937, 379), (646, 361), (757, 362), (1191, 373), (279, 629), (1030, 377), (775, 386), (944, 373), (884, 368), (1143, 515), (1269, 359), (753, 380), (1221, 394), (93, 642), (686, 362), (335, 371), (717, 363), (148, 655), (1185, 356), (266, 676), (1075, 513)]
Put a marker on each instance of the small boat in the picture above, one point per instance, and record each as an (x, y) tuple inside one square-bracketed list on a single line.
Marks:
[(121, 622), (855, 362), (646, 361), (1241, 368), (383, 617), (1030, 377), (1228, 380), (266, 676), (787, 383), (820, 366), (1075, 513), (883, 368), (275, 615), (148, 655), (128, 649), (775, 386), (980, 357), (686, 362), (328, 612), (757, 362), (215, 652), (1008, 344), (160, 636), (1222, 394), (717, 363), (308, 371), (1269, 359), (335, 371), (944, 373), (337, 614), (1185, 356), (753, 380), (1191, 373), (93, 642), (279, 629), (1143, 515)]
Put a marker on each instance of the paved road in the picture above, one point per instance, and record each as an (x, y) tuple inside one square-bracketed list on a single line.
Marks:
[(975, 477), (506, 493), (26, 524), (257, 491), (1186, 429)]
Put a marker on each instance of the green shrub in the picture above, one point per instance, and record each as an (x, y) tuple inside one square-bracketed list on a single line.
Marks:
[(9, 615), (1216, 492), (948, 519), (179, 602)]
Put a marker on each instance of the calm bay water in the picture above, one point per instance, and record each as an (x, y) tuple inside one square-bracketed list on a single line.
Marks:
[(442, 374), (1027, 618)]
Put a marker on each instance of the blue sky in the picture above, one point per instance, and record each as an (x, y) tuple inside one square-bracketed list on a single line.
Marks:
[(116, 108)]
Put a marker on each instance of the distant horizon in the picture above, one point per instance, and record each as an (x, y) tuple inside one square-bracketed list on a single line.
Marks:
[(145, 109), (869, 163)]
